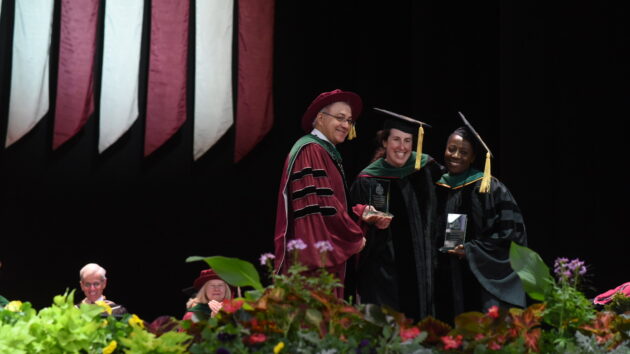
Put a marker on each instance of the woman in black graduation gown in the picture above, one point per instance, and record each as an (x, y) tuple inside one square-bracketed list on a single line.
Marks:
[(477, 274), (396, 266)]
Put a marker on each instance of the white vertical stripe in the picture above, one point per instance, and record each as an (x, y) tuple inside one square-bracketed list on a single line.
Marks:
[(121, 63), (0, 8), (29, 68), (214, 113)]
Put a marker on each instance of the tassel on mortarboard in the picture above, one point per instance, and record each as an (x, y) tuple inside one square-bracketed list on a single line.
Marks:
[(487, 176), (419, 147), (353, 133)]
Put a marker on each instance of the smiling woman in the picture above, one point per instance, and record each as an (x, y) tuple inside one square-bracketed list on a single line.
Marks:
[(395, 268), (211, 292), (476, 275)]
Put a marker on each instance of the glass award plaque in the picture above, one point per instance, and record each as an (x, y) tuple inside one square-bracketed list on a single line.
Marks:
[(379, 197), (455, 231)]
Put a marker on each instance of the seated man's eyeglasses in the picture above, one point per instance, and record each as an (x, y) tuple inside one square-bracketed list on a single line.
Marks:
[(339, 119), (95, 284)]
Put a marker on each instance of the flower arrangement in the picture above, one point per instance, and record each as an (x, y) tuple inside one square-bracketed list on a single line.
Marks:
[(299, 313)]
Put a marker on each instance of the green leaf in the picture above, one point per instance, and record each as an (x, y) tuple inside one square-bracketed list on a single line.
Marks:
[(313, 317), (533, 272), (233, 270), (253, 295)]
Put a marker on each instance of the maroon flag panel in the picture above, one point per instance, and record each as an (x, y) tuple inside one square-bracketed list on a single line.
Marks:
[(75, 82), (166, 96), (254, 106)]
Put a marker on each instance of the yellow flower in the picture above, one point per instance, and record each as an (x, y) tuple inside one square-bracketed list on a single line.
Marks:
[(14, 306), (110, 347), (105, 306), (278, 348), (134, 320)]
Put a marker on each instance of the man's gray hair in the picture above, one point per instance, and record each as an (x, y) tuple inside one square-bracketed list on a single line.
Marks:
[(90, 269)]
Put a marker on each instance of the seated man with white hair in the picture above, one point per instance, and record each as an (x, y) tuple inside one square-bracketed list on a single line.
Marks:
[(93, 282)]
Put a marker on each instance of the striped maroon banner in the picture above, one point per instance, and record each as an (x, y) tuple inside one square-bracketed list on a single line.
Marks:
[(166, 96), (254, 106), (75, 80)]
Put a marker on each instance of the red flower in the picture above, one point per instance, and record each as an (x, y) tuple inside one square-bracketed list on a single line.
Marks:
[(494, 345), (409, 333), (231, 306), (479, 336), (255, 338), (493, 312), (452, 343), (531, 339)]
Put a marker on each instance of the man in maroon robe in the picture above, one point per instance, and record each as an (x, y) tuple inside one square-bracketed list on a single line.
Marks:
[(312, 201)]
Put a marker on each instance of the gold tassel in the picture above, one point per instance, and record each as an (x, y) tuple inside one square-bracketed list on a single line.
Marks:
[(485, 181), (353, 133), (419, 147)]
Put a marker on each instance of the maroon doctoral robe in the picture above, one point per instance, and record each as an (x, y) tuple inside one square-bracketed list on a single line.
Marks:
[(312, 206)]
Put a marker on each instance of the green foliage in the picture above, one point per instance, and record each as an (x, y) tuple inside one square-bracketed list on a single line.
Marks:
[(141, 341), (233, 270), (619, 304), (61, 328), (567, 309), (300, 313), (533, 272), (66, 328)]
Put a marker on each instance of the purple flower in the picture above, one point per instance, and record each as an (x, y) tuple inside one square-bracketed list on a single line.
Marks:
[(296, 244), (265, 257), (560, 262), (582, 270), (323, 246), (575, 264), (222, 350), (566, 270)]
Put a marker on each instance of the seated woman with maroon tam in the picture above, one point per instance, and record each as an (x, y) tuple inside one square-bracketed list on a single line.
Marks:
[(211, 292)]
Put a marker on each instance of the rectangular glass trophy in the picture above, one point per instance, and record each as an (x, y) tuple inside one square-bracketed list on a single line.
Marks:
[(455, 231), (379, 196)]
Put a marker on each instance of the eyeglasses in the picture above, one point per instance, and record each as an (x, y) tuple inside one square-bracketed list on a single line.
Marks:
[(339, 119), (96, 284)]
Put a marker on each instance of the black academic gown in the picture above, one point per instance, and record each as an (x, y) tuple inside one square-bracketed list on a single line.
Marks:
[(484, 277), (396, 266)]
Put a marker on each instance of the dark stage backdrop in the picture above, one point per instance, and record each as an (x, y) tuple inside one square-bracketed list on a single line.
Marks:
[(546, 86)]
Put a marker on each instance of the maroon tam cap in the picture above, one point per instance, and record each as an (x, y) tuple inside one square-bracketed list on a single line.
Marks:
[(206, 274), (326, 98)]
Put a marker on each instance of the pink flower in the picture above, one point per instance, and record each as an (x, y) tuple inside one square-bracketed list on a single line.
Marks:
[(409, 333), (231, 306), (265, 257), (296, 244), (323, 246), (479, 336), (452, 343), (493, 312), (255, 338)]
